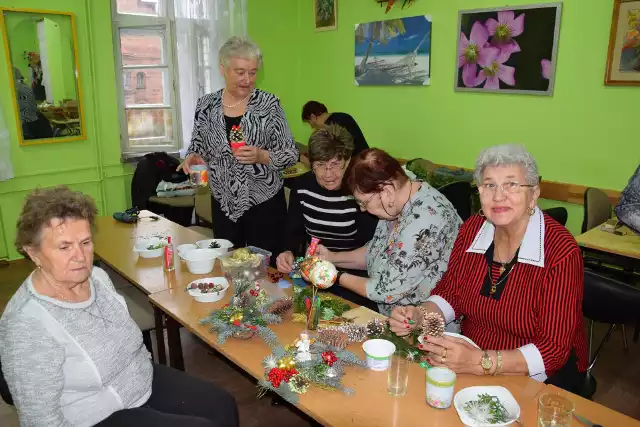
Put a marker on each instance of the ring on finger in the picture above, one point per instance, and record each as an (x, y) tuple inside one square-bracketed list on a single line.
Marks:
[(444, 355)]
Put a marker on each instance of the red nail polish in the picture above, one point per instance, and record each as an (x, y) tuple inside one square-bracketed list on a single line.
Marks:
[(405, 320), (408, 326)]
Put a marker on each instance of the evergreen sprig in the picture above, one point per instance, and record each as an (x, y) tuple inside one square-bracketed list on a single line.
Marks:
[(327, 302)]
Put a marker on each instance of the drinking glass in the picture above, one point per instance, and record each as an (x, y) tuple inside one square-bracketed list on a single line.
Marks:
[(554, 411), (398, 374)]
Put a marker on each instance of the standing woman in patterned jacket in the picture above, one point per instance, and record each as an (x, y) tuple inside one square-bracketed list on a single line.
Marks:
[(248, 203)]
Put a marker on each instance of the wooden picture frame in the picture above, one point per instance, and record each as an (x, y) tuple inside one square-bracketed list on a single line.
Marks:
[(325, 14), (623, 58)]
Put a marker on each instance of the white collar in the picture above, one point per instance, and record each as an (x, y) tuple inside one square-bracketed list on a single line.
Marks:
[(532, 247)]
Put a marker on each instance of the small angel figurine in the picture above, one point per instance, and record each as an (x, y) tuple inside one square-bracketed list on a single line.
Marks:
[(303, 348)]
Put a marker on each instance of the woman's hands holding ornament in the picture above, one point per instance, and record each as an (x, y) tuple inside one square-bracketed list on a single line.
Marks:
[(404, 319), (323, 253), (285, 261), (453, 353)]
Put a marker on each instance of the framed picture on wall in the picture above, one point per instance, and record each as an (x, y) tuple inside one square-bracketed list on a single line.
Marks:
[(623, 60), (509, 49), (326, 14)]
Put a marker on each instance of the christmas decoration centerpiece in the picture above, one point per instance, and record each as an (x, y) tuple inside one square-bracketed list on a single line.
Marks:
[(292, 369), (329, 308), (248, 312), (236, 138)]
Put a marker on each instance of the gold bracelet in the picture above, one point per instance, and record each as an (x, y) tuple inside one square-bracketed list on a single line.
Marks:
[(498, 362)]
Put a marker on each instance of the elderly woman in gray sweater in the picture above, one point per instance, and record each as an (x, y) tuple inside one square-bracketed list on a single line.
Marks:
[(70, 352)]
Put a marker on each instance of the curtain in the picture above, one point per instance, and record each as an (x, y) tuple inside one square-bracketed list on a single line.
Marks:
[(6, 169), (202, 27)]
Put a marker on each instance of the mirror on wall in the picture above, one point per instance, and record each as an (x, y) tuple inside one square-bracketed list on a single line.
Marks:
[(41, 52)]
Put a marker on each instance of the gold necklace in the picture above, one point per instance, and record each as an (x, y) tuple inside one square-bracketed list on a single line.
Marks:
[(502, 264), (237, 103)]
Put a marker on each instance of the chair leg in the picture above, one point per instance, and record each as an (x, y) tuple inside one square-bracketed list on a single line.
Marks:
[(590, 338), (624, 339), (601, 346), (146, 339)]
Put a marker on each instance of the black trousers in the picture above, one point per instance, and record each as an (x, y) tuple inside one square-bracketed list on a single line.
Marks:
[(261, 226), (178, 399)]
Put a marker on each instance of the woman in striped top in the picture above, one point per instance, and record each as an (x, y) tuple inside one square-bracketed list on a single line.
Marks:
[(516, 278), (320, 207)]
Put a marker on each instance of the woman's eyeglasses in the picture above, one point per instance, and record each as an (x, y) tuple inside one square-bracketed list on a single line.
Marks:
[(510, 187), (328, 167), (363, 205)]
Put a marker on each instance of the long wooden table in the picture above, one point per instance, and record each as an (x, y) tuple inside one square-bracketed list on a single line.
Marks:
[(626, 245)]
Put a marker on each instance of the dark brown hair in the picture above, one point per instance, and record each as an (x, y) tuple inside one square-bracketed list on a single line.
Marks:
[(46, 204), (372, 169), (332, 141), (313, 108)]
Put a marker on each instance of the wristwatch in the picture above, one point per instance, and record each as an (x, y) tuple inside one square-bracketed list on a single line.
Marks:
[(340, 273), (486, 363)]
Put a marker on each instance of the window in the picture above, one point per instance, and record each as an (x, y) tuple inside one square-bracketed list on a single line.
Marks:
[(143, 41), (140, 80)]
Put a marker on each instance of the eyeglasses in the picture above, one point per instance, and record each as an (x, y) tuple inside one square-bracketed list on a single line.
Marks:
[(510, 187), (328, 167), (363, 205)]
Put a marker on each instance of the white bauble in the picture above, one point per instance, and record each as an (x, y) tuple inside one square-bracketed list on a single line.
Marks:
[(323, 274)]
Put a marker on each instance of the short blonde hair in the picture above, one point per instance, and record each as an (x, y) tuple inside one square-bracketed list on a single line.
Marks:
[(239, 47)]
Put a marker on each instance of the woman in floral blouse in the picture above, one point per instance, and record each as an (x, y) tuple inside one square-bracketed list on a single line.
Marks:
[(410, 249)]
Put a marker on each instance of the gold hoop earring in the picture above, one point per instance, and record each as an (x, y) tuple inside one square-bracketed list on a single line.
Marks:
[(481, 213), (532, 211)]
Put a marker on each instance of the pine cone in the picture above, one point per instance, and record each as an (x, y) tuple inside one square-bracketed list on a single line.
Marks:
[(241, 300), (281, 306), (375, 327), (333, 337), (355, 333), (432, 324)]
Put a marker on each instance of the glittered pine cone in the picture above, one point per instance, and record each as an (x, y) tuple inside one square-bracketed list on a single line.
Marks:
[(281, 306), (355, 333), (433, 324), (333, 338), (375, 327)]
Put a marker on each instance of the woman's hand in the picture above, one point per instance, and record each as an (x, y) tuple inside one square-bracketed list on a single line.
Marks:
[(400, 319), (249, 155), (285, 261), (453, 353), (324, 253), (191, 160)]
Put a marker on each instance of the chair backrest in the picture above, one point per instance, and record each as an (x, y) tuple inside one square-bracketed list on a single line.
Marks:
[(4, 389), (608, 300), (560, 214), (597, 208), (459, 194)]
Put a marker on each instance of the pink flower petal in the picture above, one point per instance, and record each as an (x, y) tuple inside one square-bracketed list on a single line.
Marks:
[(517, 25), (546, 68), (506, 50), (481, 78), (491, 25), (487, 56), (492, 83), (479, 34), (469, 75), (507, 74), (464, 42), (506, 16)]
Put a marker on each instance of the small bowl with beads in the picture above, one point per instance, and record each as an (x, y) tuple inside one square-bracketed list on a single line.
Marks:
[(210, 289)]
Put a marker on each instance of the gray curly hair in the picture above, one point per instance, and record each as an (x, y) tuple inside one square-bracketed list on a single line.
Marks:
[(507, 155), (239, 47)]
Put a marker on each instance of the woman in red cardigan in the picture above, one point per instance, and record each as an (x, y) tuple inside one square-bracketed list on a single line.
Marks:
[(515, 279)]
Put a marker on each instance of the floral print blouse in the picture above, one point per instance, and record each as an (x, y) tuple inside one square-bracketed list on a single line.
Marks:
[(405, 262)]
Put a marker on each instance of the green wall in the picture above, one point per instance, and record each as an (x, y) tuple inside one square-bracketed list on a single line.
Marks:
[(92, 166), (582, 134), (60, 54), (23, 37)]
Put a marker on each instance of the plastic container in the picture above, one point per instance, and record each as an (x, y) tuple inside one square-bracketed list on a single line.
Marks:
[(378, 353), (209, 296), (142, 248), (200, 261), (199, 176)]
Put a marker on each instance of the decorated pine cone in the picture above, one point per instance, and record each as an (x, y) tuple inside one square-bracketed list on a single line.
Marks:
[(433, 324), (299, 384), (241, 300), (375, 327), (333, 338), (355, 333), (281, 306)]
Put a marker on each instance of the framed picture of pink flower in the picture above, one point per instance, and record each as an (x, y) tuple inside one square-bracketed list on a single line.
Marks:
[(509, 49), (623, 60)]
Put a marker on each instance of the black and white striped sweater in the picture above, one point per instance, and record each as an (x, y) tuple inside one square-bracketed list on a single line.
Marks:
[(235, 186)]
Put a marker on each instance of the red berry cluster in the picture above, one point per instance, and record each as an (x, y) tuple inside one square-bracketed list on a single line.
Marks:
[(256, 291), (277, 375), (274, 277), (329, 357), (206, 287)]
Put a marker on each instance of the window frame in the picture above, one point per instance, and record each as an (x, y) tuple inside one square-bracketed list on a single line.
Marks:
[(164, 23)]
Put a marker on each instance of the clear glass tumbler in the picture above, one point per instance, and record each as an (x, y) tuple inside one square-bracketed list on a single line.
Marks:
[(554, 411), (398, 378)]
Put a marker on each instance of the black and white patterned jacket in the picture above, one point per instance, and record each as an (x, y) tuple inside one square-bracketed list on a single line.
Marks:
[(235, 186)]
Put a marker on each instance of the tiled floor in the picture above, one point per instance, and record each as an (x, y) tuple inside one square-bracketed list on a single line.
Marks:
[(617, 372)]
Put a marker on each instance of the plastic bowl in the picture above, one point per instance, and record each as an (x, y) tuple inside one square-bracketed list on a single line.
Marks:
[(142, 247), (183, 249), (200, 261), (225, 245), (378, 353), (209, 296)]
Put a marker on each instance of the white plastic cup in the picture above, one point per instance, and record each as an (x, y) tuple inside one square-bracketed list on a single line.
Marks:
[(440, 385), (378, 353)]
